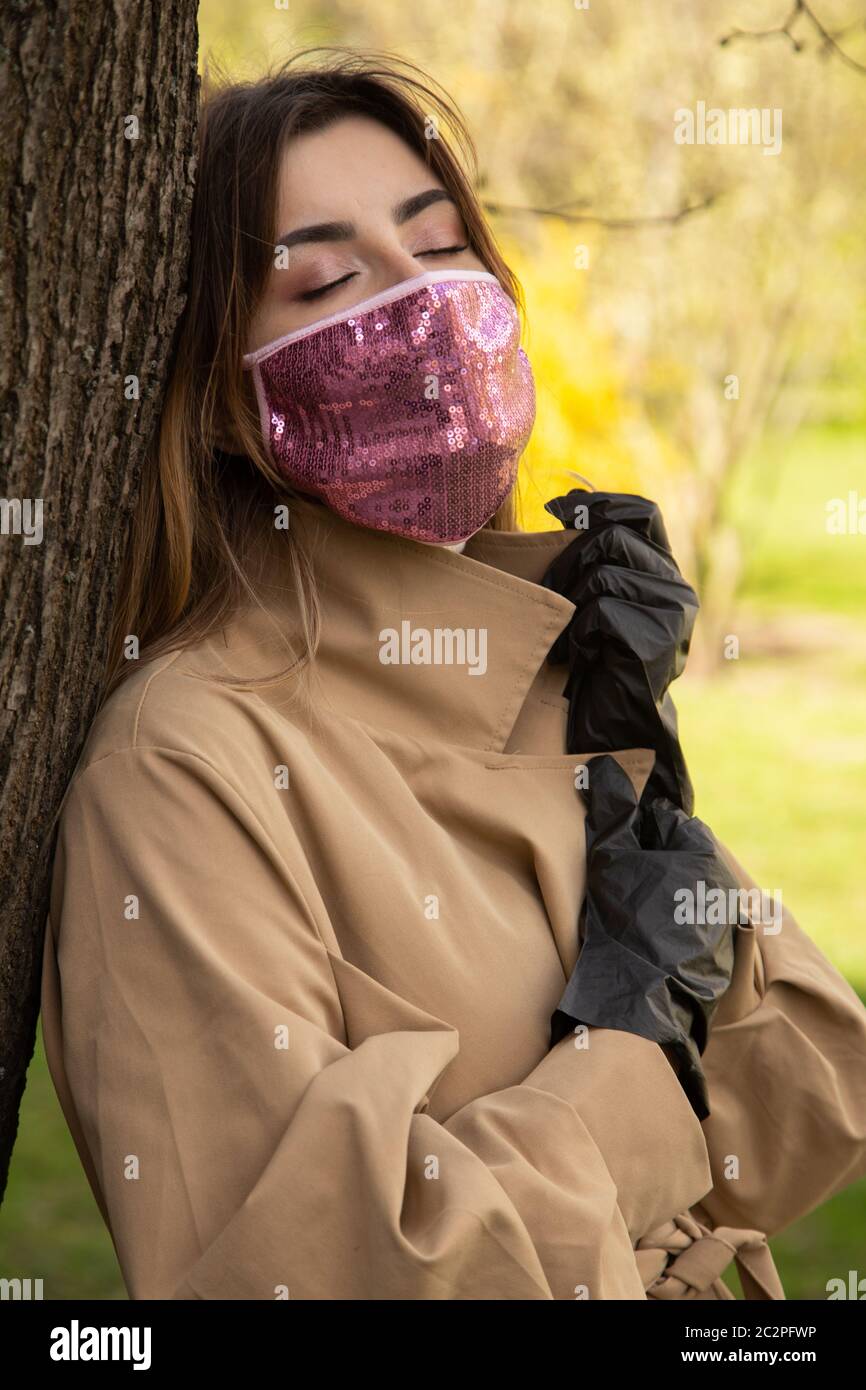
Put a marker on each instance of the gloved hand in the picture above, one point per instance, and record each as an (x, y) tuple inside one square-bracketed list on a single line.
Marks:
[(646, 965), (640, 969), (630, 635)]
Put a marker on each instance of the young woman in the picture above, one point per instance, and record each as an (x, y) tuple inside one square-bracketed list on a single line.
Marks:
[(320, 868)]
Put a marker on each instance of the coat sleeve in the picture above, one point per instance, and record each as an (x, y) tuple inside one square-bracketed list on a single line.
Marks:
[(247, 1144), (786, 1072)]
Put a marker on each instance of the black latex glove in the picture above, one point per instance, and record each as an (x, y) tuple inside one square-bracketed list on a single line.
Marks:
[(630, 635), (640, 969)]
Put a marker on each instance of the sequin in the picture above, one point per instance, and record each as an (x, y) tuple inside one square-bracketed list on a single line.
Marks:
[(410, 416)]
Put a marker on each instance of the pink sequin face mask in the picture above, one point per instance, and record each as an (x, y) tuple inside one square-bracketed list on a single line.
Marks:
[(407, 413)]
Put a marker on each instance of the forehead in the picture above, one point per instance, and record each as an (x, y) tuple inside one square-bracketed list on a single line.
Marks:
[(354, 168)]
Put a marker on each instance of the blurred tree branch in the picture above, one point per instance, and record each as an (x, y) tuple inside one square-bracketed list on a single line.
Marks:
[(802, 7), (616, 223)]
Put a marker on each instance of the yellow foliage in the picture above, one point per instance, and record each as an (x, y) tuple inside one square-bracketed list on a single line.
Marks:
[(585, 423)]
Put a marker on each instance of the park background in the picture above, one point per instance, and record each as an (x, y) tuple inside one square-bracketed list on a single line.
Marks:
[(654, 274)]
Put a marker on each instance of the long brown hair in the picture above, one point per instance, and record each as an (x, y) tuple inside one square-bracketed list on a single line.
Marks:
[(199, 511)]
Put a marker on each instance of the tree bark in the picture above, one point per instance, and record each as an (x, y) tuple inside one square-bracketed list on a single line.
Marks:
[(99, 105)]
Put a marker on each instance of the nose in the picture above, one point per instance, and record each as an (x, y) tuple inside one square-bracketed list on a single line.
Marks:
[(394, 265)]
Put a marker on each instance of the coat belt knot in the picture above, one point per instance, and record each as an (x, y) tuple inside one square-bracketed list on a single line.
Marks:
[(684, 1259)]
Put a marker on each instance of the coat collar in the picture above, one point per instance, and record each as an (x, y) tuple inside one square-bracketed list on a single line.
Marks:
[(383, 601)]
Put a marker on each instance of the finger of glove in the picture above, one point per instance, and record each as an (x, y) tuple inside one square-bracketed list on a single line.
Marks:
[(616, 545), (572, 569), (602, 509), (651, 614)]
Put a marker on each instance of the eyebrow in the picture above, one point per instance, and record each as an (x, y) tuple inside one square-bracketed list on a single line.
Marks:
[(344, 231)]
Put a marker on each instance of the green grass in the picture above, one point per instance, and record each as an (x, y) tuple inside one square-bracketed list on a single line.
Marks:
[(50, 1226), (779, 505), (776, 744), (777, 753)]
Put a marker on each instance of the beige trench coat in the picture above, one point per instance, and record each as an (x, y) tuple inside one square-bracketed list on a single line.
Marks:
[(298, 977)]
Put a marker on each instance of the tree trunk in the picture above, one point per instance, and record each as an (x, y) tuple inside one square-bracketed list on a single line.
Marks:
[(99, 118)]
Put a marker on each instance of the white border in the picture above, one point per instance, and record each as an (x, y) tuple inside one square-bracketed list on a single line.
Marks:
[(430, 277)]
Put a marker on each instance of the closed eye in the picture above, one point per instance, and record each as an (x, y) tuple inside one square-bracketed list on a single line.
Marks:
[(322, 290), (326, 289)]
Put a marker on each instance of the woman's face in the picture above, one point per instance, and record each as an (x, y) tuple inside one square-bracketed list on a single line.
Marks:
[(358, 211)]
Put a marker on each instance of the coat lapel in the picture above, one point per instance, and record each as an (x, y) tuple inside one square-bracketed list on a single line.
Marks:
[(418, 639)]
